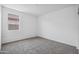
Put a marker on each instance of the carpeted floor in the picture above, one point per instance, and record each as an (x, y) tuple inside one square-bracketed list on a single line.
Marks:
[(38, 46)]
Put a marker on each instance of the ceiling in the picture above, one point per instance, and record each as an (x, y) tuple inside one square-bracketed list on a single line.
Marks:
[(37, 9)]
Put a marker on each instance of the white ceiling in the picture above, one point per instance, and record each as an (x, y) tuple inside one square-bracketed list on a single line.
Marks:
[(37, 9)]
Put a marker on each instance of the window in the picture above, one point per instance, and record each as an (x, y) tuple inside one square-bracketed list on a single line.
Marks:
[(13, 22)]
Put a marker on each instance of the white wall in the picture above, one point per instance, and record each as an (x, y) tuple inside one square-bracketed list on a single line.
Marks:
[(61, 26), (27, 26), (0, 27)]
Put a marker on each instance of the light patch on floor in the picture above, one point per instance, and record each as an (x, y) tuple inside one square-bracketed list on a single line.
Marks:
[(38, 46)]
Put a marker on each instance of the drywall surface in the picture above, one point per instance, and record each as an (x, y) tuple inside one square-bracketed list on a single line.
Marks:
[(60, 26), (0, 27), (27, 26)]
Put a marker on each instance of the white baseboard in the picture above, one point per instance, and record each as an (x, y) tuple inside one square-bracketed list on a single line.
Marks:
[(19, 40), (58, 41)]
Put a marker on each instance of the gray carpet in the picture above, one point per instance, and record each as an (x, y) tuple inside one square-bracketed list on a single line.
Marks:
[(38, 46)]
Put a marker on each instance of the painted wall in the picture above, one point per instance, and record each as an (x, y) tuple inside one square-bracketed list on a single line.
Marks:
[(61, 26), (27, 26), (0, 27)]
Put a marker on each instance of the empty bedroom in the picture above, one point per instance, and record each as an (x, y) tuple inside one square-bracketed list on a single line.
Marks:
[(39, 29)]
